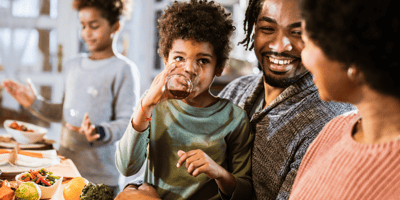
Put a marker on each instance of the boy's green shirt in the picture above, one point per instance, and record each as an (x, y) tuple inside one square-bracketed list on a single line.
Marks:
[(222, 131)]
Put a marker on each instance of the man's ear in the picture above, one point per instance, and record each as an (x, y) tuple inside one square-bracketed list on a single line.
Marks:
[(218, 71)]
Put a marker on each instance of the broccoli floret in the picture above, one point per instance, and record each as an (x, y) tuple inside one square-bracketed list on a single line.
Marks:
[(99, 192)]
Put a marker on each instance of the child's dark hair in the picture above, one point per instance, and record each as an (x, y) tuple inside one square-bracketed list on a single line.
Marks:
[(110, 9), (199, 20), (252, 12)]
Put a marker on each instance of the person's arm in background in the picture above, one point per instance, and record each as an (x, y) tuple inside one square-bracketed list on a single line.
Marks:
[(26, 96)]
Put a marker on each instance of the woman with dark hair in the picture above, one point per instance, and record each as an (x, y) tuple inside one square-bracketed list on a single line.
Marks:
[(350, 48), (199, 146), (103, 84)]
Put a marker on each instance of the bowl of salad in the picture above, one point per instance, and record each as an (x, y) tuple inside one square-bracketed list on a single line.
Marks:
[(47, 182)]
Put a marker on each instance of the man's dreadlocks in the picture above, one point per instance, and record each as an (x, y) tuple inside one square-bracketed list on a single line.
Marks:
[(252, 12)]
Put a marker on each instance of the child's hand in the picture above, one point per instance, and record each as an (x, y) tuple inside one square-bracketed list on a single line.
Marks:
[(86, 129), (25, 95), (157, 93), (198, 162)]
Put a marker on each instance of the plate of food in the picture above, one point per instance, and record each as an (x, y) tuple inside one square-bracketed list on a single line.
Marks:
[(7, 141), (28, 136), (47, 182), (23, 160), (23, 132)]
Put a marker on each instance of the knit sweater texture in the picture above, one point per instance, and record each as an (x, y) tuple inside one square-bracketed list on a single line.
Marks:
[(222, 131), (336, 167), (106, 89), (283, 130)]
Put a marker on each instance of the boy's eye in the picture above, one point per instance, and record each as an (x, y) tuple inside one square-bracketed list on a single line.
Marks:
[(203, 61), (178, 58)]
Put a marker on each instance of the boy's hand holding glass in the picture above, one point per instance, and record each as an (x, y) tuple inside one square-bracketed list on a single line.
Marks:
[(176, 81), (86, 129)]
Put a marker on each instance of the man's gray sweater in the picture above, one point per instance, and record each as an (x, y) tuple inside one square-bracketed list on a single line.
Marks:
[(283, 130)]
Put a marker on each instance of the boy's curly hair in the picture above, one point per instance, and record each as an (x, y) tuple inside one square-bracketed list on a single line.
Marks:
[(199, 20), (110, 9)]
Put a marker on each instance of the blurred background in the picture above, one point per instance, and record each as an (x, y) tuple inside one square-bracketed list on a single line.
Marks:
[(38, 36)]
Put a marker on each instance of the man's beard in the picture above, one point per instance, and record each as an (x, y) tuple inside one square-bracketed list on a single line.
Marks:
[(283, 82)]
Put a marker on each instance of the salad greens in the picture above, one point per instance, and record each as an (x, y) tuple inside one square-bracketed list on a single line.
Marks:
[(41, 177), (99, 192)]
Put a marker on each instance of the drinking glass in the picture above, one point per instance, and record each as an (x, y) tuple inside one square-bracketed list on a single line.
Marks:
[(182, 79)]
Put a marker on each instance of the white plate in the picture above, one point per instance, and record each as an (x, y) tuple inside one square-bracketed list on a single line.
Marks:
[(25, 163), (4, 158), (25, 137), (21, 146)]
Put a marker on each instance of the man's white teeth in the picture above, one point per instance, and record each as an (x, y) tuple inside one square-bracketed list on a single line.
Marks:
[(280, 62)]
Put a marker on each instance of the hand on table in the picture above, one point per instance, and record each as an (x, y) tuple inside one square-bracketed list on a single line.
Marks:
[(86, 129), (25, 95), (198, 162), (144, 192)]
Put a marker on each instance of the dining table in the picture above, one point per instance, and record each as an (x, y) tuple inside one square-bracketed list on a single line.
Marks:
[(65, 168)]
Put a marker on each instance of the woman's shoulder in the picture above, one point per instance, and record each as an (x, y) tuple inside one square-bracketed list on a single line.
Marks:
[(346, 117), (338, 127)]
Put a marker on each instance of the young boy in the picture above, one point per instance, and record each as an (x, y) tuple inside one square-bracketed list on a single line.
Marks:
[(198, 147)]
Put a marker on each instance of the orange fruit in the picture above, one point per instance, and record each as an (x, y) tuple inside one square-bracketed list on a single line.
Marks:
[(74, 188)]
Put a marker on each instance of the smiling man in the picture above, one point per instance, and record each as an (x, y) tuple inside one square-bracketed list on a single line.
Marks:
[(283, 104)]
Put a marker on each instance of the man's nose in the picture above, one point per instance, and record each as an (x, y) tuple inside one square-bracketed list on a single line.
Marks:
[(281, 43)]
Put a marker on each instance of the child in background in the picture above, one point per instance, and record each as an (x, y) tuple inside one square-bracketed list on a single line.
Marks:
[(198, 147), (103, 83)]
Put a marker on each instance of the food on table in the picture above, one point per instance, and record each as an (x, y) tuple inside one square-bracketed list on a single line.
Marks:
[(73, 189), (6, 192), (15, 126), (26, 153), (8, 141), (28, 191), (41, 177), (99, 192), (4, 151), (31, 154)]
